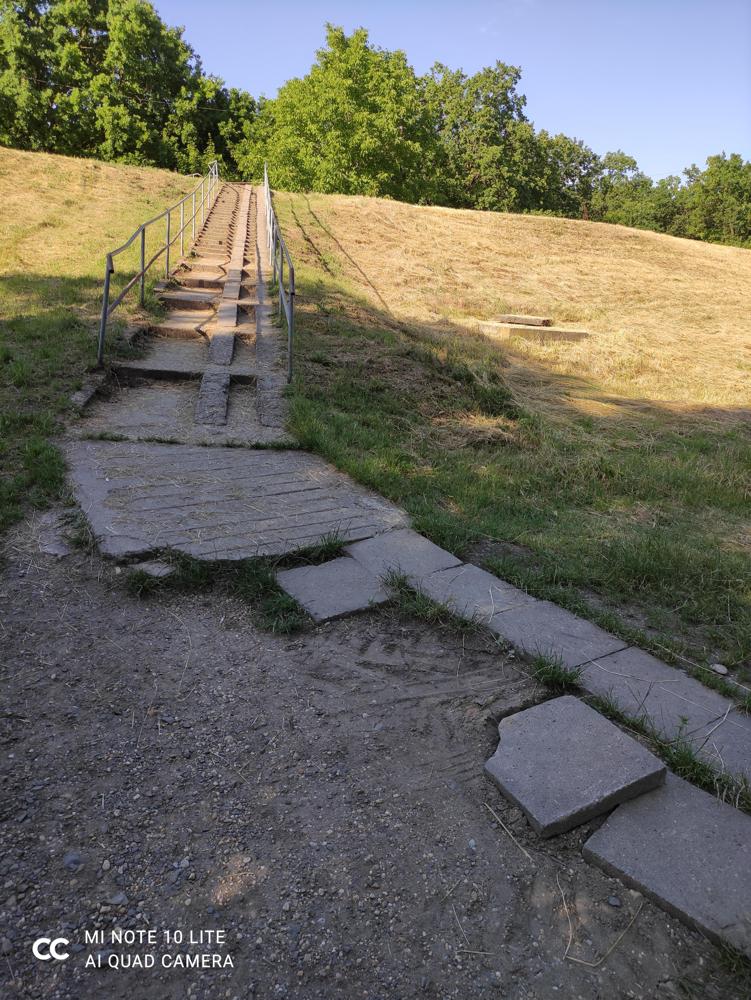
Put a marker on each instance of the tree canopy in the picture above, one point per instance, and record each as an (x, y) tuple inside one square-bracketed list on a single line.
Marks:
[(108, 78)]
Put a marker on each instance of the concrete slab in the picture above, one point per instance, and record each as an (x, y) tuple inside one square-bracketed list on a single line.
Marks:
[(562, 763), (404, 551), (333, 589), (217, 503), (472, 592), (51, 533), (542, 628), (641, 685), (155, 568), (186, 356), (688, 852), (185, 299), (221, 348), (523, 320), (213, 398), (183, 323), (542, 334)]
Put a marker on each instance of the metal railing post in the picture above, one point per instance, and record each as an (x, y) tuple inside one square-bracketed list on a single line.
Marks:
[(193, 217), (203, 205), (142, 291), (108, 269), (290, 322), (166, 246), (182, 228), (281, 279)]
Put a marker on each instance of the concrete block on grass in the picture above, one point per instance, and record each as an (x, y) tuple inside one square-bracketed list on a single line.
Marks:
[(403, 551), (688, 852), (673, 703), (332, 589), (562, 763), (541, 628), (472, 592)]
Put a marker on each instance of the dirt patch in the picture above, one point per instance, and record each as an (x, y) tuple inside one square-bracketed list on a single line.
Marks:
[(321, 799)]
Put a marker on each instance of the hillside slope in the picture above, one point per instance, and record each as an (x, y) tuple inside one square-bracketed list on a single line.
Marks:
[(60, 215), (669, 317), (612, 474)]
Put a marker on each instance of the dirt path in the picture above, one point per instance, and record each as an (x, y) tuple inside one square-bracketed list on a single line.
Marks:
[(321, 799)]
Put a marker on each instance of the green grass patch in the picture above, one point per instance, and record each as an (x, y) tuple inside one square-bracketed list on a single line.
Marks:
[(555, 675), (251, 580), (51, 274)]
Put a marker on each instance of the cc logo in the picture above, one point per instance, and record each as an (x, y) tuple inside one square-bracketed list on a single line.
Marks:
[(46, 948)]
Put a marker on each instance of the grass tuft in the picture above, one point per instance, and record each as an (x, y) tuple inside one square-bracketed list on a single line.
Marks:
[(250, 580), (555, 675), (410, 600)]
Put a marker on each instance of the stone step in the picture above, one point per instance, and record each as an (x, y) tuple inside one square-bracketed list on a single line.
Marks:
[(182, 323), (189, 280), (563, 764), (502, 331), (185, 299), (523, 320), (688, 852)]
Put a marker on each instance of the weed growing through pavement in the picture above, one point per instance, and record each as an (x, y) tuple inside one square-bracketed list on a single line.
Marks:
[(555, 675)]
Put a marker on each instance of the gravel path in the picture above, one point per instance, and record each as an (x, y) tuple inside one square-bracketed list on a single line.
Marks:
[(320, 799)]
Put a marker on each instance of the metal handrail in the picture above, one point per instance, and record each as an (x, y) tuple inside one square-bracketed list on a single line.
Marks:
[(279, 253), (209, 189)]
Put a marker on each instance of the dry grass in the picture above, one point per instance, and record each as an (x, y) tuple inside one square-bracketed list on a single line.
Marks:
[(669, 318), (611, 475), (60, 216)]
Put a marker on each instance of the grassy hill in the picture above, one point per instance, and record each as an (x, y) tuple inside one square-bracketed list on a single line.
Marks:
[(612, 475), (60, 215)]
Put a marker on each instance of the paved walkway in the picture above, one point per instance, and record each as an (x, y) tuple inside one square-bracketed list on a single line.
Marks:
[(152, 471)]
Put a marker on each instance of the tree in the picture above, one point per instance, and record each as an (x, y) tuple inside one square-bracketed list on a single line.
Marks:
[(108, 78), (355, 124), (717, 201), (486, 152)]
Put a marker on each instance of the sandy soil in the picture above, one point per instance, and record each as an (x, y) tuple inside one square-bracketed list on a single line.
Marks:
[(320, 799)]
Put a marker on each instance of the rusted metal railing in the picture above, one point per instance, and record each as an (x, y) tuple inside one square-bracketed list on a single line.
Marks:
[(201, 200), (279, 254)]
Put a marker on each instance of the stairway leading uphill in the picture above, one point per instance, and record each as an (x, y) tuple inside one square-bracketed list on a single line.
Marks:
[(206, 369)]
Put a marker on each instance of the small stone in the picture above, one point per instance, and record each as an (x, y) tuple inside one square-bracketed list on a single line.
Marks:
[(106, 865), (119, 899), (6, 946), (72, 861), (614, 901), (472, 844), (718, 668)]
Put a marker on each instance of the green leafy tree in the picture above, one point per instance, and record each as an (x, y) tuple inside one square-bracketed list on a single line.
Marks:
[(487, 155), (355, 124), (716, 202), (108, 78)]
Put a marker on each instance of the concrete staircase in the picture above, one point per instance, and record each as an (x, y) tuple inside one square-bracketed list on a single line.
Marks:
[(197, 379)]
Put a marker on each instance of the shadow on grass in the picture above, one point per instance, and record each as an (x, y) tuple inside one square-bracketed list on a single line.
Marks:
[(643, 505), (48, 339)]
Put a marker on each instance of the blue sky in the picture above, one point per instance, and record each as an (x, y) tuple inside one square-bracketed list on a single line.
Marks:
[(668, 81)]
